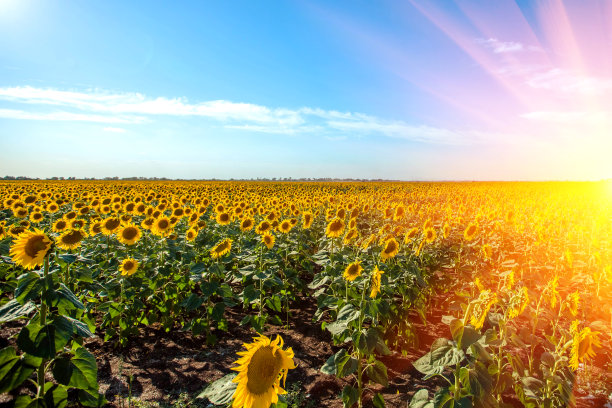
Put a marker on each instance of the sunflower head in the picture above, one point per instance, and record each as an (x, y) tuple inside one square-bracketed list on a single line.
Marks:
[(129, 234), (268, 240), (390, 249), (191, 234), (352, 271), (335, 228), (375, 287), (285, 226), (470, 232), (110, 225), (71, 239), (128, 267), (307, 218), (260, 369), (246, 224), (222, 248), (223, 218), (430, 235), (30, 248)]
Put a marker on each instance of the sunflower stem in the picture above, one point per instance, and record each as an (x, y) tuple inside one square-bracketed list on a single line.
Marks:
[(43, 322)]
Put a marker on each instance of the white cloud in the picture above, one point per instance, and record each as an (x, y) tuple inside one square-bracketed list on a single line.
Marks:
[(102, 106), (500, 47), (67, 116), (564, 81)]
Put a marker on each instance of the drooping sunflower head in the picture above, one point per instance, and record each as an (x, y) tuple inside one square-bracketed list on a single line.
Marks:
[(350, 236), (268, 240), (375, 286), (352, 271), (260, 369), (390, 249), (95, 228), (222, 248), (335, 228), (129, 234), (470, 232), (430, 235), (307, 218), (71, 239), (30, 248), (246, 224), (128, 267)]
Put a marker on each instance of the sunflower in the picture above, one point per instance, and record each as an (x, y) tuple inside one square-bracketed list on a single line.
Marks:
[(411, 234), (573, 303), (246, 224), (482, 305), (285, 226), (30, 248), (335, 228), (390, 249), (221, 248), (268, 240), (400, 211), (2, 231), (446, 230), (470, 232), (16, 230), (52, 208), (430, 235), (20, 212), (95, 228), (191, 234), (352, 271), (147, 223), (128, 267), (260, 369), (582, 346), (223, 218), (129, 234), (36, 217), (110, 225), (350, 236), (263, 227), (71, 239), (487, 251), (365, 244), (60, 225), (161, 226), (519, 302), (375, 282), (307, 219)]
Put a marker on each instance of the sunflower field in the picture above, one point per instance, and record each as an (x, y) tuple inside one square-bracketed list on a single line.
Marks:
[(415, 294)]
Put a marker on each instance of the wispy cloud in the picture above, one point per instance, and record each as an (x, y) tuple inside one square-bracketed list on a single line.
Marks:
[(565, 81), (500, 47), (107, 107), (67, 116), (570, 117)]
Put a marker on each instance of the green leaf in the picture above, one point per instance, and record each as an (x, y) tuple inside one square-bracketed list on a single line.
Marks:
[(420, 399), (193, 302), (442, 397), (81, 329), (45, 341), (29, 286), (377, 372), (349, 395), (470, 336), (250, 294), (274, 303), (444, 353), (330, 365), (80, 371), (56, 395), (378, 401), (91, 398), (424, 366), (14, 370), (346, 366), (68, 258), (347, 314), (13, 310), (221, 391), (65, 295)]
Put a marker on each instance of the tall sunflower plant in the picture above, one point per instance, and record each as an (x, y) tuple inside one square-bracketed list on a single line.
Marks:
[(356, 327), (52, 340)]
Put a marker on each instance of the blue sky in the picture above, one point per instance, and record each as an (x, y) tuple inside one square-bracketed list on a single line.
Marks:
[(402, 90)]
